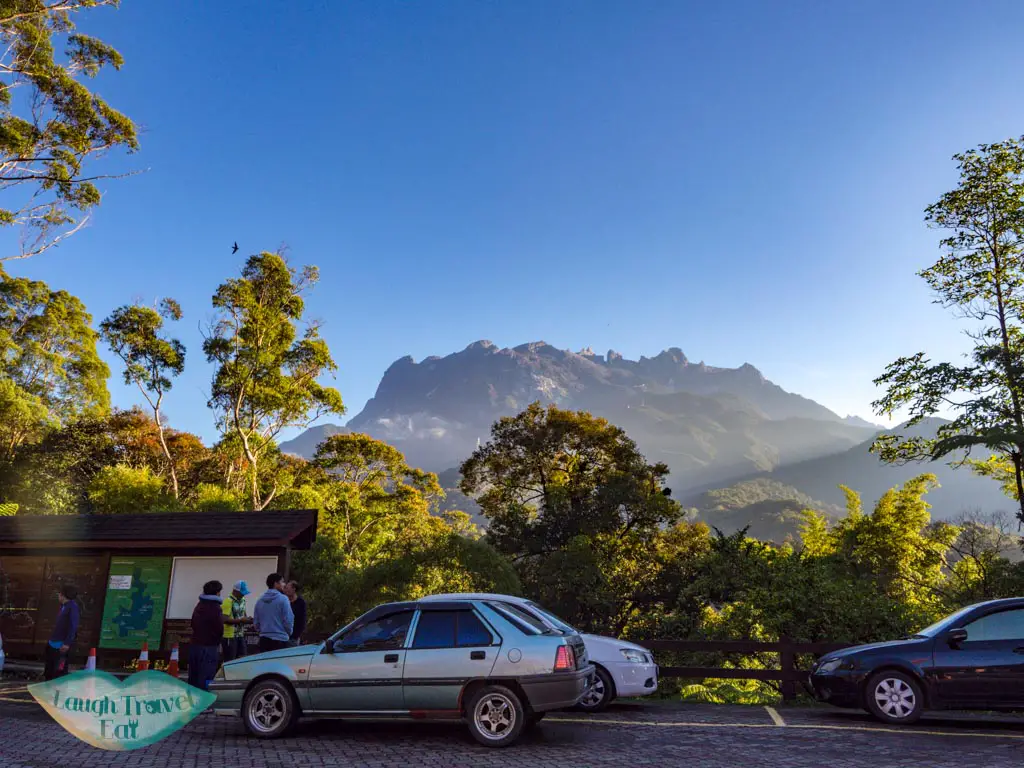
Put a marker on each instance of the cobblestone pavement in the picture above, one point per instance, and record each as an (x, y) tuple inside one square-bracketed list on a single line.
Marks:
[(625, 735)]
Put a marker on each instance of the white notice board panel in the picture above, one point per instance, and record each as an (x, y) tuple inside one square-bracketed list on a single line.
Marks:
[(188, 574)]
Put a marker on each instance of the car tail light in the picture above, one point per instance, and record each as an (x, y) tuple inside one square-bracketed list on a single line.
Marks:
[(565, 659)]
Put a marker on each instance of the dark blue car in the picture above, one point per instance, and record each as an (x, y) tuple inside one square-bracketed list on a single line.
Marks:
[(972, 659)]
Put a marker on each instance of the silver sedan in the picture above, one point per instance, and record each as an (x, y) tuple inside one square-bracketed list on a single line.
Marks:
[(474, 660)]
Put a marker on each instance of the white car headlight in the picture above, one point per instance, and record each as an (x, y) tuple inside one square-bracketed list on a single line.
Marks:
[(635, 657), (829, 667)]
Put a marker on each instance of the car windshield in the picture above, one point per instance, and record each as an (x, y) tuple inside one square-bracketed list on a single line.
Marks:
[(551, 619), (943, 624)]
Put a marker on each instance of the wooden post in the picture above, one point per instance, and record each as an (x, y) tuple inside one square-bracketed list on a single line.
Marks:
[(788, 664)]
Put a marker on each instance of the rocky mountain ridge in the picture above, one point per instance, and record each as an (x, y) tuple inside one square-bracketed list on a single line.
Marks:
[(708, 423)]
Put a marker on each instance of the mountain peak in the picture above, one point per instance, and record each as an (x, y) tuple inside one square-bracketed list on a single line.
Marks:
[(675, 354), (750, 370)]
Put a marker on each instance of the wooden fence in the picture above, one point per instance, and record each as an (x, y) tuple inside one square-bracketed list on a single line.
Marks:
[(788, 675)]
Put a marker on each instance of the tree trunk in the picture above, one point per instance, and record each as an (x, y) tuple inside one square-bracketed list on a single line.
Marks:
[(167, 451), (1011, 379), (1018, 471)]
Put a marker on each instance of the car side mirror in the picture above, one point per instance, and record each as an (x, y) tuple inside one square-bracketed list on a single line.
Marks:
[(956, 637)]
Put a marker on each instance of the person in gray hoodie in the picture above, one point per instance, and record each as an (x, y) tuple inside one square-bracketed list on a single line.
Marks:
[(272, 615)]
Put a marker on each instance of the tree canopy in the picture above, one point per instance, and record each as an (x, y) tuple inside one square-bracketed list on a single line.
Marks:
[(51, 124), (52, 373), (575, 506)]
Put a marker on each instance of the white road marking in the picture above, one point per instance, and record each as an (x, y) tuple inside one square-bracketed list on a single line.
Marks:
[(775, 716), (789, 726)]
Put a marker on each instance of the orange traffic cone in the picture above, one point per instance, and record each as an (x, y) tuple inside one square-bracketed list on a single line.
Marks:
[(144, 657), (90, 665), (172, 666)]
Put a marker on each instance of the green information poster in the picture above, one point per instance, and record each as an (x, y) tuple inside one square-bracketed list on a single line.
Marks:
[(136, 600)]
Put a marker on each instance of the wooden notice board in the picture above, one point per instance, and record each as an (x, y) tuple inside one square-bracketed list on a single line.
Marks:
[(88, 575), (21, 579)]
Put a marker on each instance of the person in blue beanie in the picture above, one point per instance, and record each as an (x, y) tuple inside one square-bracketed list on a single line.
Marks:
[(63, 635), (272, 616)]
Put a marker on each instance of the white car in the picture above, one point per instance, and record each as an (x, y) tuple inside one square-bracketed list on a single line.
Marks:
[(623, 669)]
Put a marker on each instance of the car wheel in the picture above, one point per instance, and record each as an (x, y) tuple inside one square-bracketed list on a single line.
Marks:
[(496, 717), (600, 694), (894, 697), (269, 710)]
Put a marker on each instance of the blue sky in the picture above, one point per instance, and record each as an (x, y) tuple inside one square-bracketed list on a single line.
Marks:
[(744, 180)]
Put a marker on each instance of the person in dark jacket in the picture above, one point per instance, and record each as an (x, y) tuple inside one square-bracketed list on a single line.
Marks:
[(207, 632), (293, 591), (63, 635)]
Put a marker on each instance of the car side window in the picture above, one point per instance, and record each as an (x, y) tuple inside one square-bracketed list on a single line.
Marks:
[(435, 629), (1005, 625), (385, 633), (471, 632)]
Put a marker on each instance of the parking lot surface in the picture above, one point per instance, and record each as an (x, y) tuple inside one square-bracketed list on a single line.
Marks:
[(628, 734)]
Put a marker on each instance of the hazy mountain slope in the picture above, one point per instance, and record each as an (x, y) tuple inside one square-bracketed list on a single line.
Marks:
[(961, 490), (769, 509)]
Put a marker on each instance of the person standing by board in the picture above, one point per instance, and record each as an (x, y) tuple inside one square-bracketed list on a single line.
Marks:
[(63, 635), (207, 633), (235, 621)]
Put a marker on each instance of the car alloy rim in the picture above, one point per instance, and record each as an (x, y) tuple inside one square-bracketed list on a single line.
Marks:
[(595, 695), (266, 711), (495, 716), (895, 698)]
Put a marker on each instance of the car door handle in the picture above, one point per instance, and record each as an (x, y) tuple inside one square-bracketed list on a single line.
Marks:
[(1019, 649), (391, 658), (477, 655)]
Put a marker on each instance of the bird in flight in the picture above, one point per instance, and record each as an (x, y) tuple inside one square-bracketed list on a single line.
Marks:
[(235, 248)]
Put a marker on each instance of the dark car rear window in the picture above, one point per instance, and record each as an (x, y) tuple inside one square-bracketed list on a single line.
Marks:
[(525, 622)]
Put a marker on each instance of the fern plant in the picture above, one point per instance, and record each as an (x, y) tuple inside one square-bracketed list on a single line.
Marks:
[(716, 691)]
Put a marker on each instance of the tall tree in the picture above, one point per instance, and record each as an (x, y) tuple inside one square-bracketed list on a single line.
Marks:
[(378, 499), (50, 371), (49, 132), (267, 376), (980, 276), (576, 507), (150, 360)]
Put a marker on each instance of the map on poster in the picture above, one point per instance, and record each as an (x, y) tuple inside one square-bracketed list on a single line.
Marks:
[(133, 611)]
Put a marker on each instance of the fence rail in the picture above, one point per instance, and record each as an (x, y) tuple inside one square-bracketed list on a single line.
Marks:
[(788, 675)]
